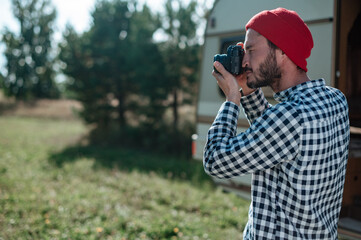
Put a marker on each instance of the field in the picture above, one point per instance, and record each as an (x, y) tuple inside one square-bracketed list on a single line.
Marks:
[(55, 186)]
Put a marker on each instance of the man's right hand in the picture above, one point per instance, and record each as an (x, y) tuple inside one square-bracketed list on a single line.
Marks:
[(242, 82), (228, 83)]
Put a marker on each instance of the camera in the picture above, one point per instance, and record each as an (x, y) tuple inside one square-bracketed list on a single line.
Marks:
[(232, 61)]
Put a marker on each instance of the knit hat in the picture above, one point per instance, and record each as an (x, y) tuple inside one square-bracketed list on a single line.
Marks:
[(286, 30)]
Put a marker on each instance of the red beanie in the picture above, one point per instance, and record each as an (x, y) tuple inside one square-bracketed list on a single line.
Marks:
[(286, 30)]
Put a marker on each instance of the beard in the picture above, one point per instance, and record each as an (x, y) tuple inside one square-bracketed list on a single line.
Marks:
[(269, 72)]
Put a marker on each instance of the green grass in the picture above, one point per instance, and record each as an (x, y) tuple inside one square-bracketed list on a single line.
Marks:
[(52, 187)]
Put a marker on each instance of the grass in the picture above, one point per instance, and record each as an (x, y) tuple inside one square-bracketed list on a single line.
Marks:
[(53, 187)]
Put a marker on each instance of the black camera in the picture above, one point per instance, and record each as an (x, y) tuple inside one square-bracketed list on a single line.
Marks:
[(232, 61)]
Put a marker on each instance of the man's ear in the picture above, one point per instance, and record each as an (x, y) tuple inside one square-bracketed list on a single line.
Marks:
[(281, 54), (282, 57)]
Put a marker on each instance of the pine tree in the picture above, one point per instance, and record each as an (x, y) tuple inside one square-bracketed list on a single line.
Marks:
[(29, 57)]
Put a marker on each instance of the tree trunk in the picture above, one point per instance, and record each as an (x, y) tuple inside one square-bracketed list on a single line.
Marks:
[(176, 148), (121, 111), (175, 110)]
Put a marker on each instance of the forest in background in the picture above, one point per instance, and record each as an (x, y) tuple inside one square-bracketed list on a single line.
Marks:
[(132, 88)]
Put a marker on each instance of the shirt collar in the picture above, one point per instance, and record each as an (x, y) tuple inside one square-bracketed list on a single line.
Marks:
[(285, 94)]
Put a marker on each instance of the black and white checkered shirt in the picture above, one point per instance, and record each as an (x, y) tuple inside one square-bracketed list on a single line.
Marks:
[(296, 152)]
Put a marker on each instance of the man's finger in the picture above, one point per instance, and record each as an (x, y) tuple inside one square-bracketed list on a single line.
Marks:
[(220, 68), (219, 78)]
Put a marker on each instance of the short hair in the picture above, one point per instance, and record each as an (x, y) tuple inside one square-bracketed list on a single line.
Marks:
[(272, 45)]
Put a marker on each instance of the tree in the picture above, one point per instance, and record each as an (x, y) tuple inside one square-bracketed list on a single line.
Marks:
[(29, 65), (181, 52), (115, 68)]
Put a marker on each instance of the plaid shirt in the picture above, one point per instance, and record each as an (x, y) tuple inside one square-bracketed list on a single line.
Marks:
[(296, 152)]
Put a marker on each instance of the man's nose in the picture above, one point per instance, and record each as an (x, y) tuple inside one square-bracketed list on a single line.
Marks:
[(245, 60)]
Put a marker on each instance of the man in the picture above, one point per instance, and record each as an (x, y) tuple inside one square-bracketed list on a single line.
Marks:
[(296, 150)]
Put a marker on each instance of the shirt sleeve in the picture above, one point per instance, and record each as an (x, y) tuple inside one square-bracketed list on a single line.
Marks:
[(273, 138), (254, 105)]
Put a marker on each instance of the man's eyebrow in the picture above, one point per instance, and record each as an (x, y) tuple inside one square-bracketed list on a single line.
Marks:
[(248, 47)]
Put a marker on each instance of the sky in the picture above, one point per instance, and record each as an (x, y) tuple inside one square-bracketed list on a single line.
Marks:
[(75, 12)]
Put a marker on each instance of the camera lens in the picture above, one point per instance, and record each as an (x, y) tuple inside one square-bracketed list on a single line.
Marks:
[(222, 58)]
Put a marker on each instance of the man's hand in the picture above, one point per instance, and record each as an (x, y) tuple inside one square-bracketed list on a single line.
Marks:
[(242, 83), (230, 84)]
